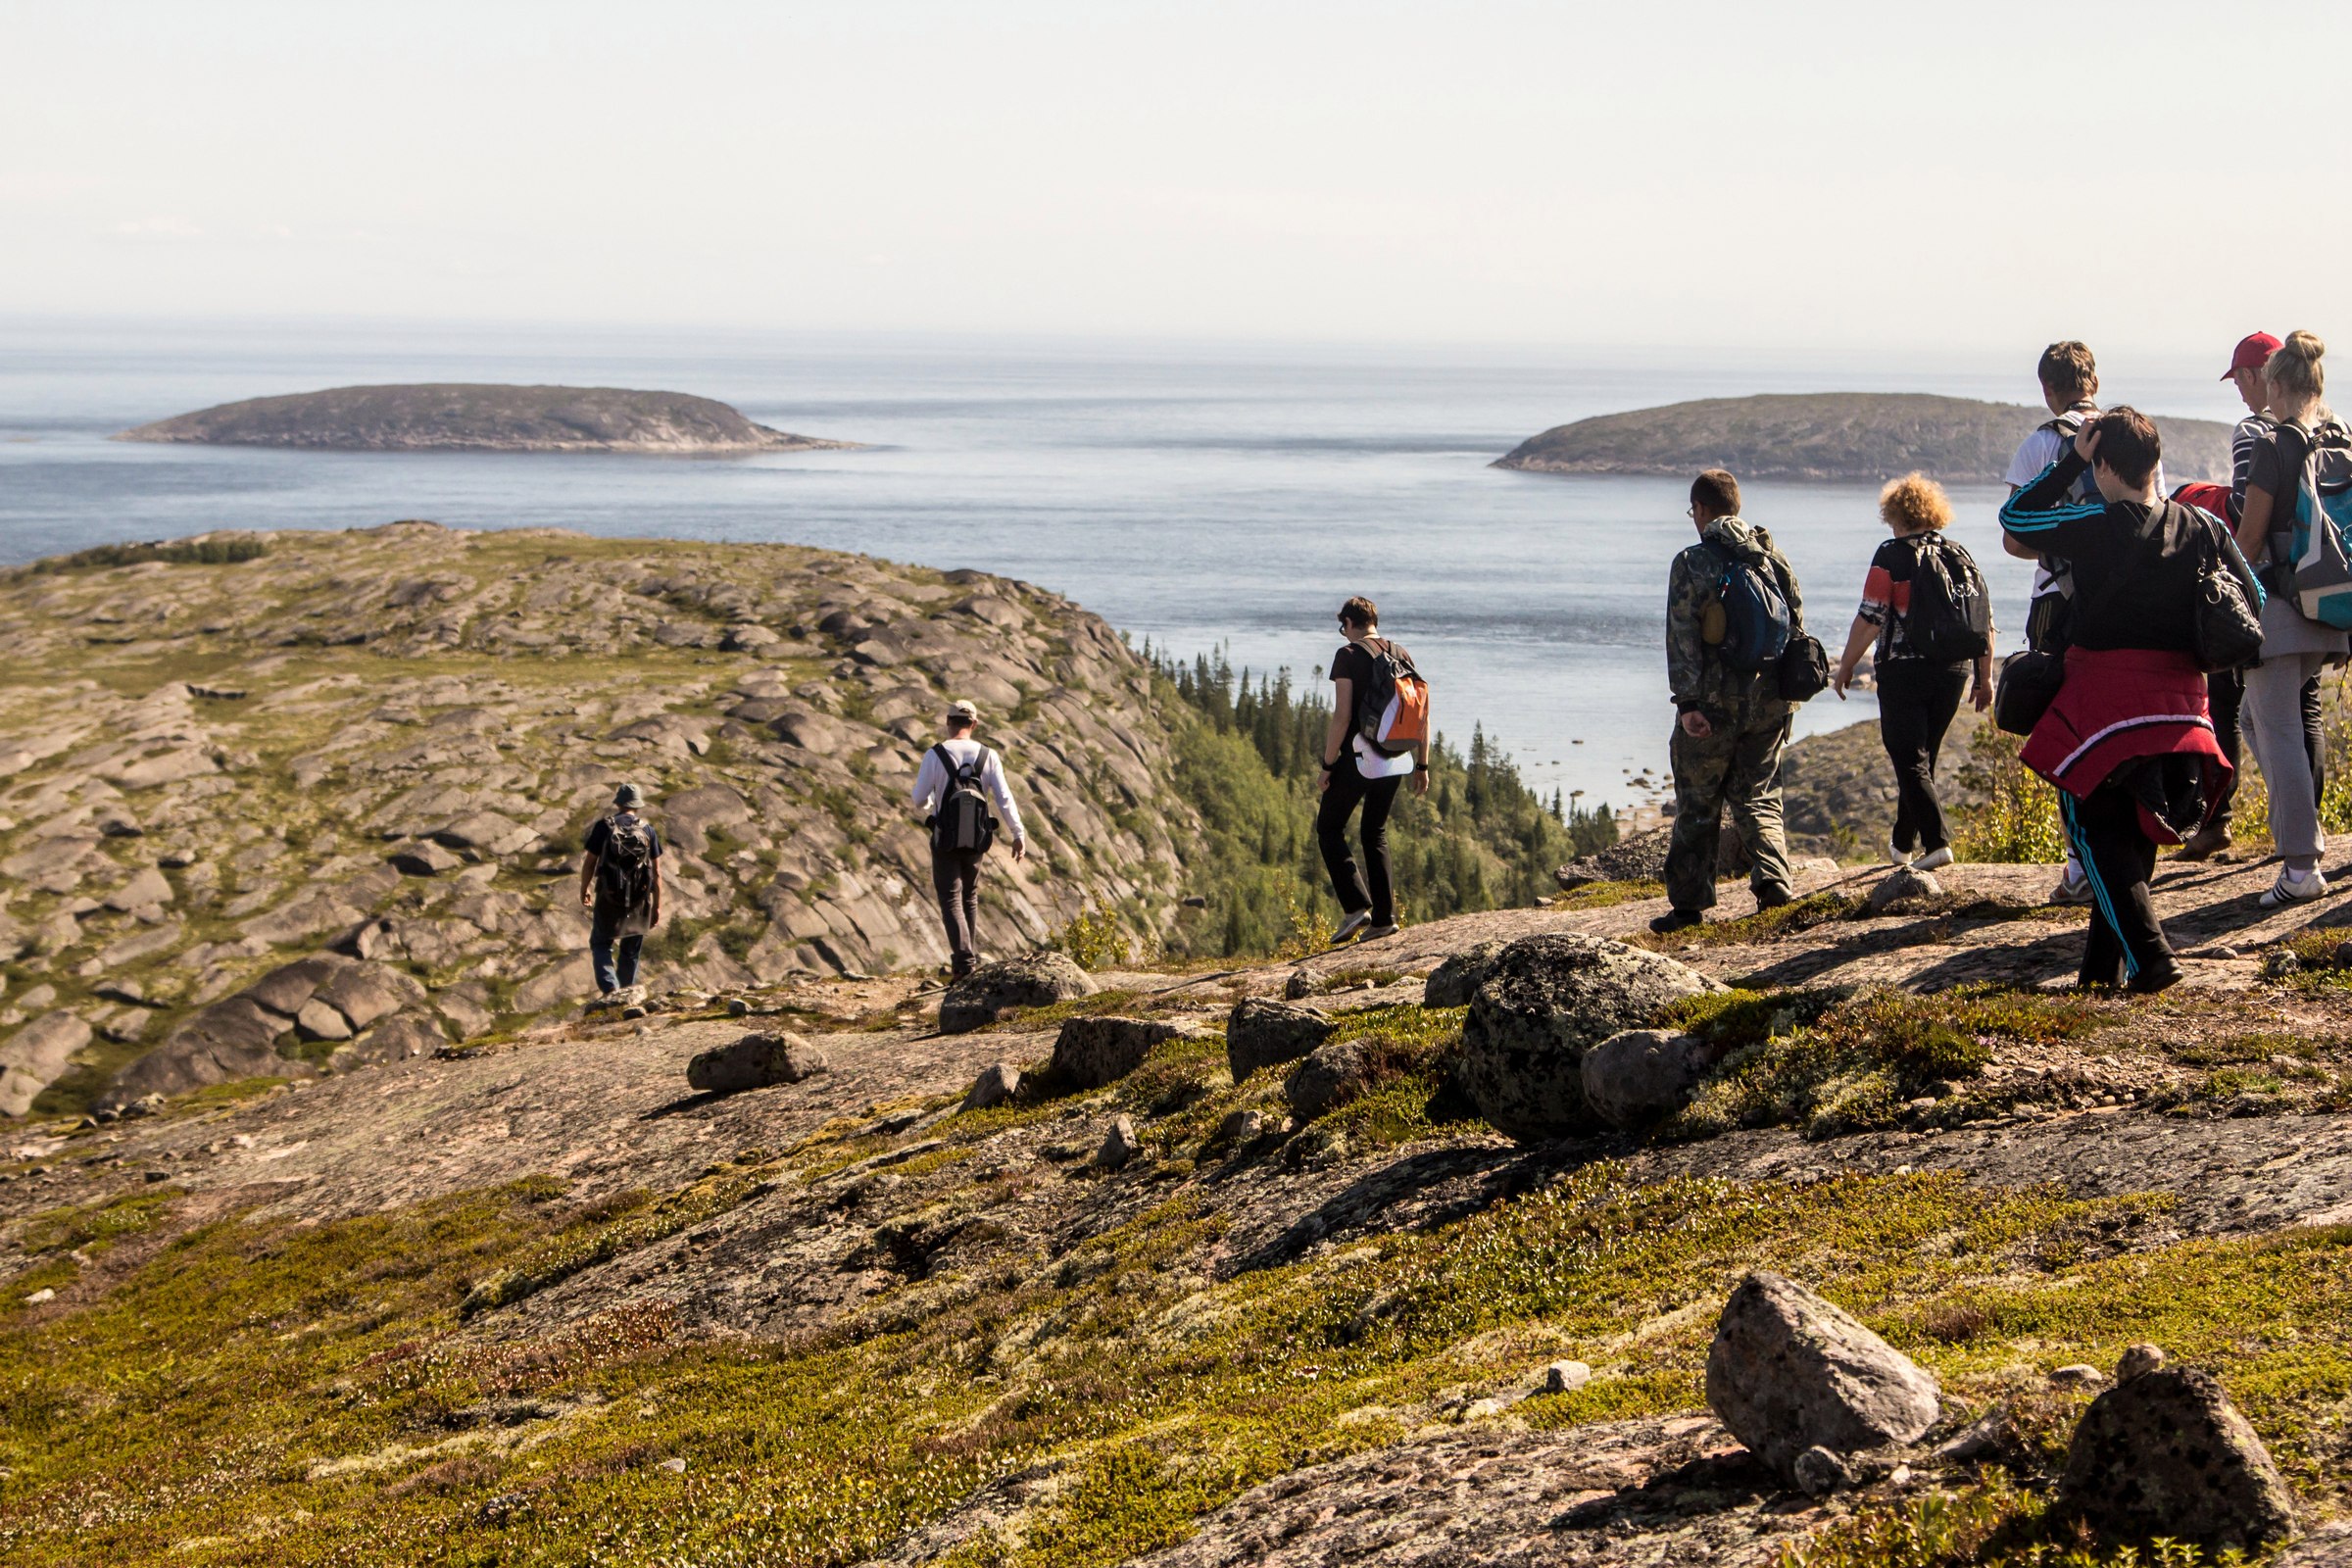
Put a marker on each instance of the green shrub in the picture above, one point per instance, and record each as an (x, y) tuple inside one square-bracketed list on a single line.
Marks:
[(216, 552), (2019, 819)]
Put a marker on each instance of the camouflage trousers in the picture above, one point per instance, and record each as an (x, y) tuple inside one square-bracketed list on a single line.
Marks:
[(1735, 768)]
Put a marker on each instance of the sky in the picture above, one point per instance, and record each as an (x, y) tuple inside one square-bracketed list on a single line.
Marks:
[(1755, 179)]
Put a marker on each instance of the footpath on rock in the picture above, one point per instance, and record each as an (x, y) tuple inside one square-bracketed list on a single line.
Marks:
[(1842, 1235)]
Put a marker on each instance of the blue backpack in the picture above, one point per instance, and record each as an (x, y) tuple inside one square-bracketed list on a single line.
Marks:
[(1755, 613), (2321, 534)]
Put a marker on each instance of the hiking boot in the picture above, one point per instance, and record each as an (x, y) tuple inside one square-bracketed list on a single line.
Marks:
[(2205, 843), (1379, 931), (1676, 920), (1933, 860), (2294, 887), (2072, 888), (1773, 899), (1350, 928), (1895, 857), (2151, 980)]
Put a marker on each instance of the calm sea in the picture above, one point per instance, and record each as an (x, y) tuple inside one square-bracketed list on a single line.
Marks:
[(1202, 499)]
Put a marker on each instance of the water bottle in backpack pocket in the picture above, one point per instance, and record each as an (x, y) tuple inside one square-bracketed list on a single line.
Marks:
[(2319, 537), (963, 823)]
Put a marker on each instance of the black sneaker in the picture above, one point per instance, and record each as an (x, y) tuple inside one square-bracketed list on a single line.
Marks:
[(2151, 980), (1676, 920), (1774, 899)]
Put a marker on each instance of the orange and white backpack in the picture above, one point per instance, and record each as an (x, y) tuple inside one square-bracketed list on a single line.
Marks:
[(1392, 711)]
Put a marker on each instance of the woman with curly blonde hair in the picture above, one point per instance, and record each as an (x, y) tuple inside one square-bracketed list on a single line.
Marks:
[(1920, 684)]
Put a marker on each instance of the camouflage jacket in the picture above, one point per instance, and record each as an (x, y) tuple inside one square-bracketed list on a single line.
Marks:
[(1697, 676)]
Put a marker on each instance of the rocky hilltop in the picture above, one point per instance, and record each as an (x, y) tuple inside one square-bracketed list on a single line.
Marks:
[(1846, 436), (460, 416), (1832, 1237), (295, 802)]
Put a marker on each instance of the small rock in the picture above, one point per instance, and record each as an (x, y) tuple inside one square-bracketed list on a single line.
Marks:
[(1301, 984), (1119, 1146), (1788, 1371), (996, 1084), (635, 1009), (40, 1295), (2137, 1360), (2166, 1453), (1037, 981), (1818, 1472), (2343, 955), (676, 1467), (1566, 1377), (2079, 1375), (1454, 982), (422, 857), (1094, 1051), (1333, 1073), (1485, 1409), (737, 1007), (1642, 1075), (1264, 1033), (1242, 1127), (1901, 884), (2278, 964), (145, 1106), (753, 1062)]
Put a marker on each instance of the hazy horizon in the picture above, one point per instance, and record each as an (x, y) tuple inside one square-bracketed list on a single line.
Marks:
[(1841, 180)]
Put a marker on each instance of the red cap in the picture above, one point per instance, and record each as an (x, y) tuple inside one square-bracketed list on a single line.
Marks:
[(2254, 351)]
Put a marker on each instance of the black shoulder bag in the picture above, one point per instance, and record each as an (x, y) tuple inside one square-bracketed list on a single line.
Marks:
[(1803, 668)]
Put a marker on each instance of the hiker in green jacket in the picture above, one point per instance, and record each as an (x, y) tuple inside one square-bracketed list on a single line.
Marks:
[(1729, 724)]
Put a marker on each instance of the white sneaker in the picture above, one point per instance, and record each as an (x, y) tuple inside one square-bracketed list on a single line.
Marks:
[(1934, 860), (1351, 926), (2294, 887), (1895, 857), (2073, 888)]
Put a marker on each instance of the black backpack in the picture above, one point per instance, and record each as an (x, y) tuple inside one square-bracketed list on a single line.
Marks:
[(963, 823), (1757, 623), (624, 868), (1950, 618)]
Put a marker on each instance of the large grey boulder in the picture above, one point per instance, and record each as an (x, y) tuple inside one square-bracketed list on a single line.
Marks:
[(1089, 1053), (1263, 1034), (228, 1040), (753, 1062), (1037, 981), (1546, 1001), (1333, 1073), (36, 1057), (1642, 1075), (2166, 1453), (1790, 1371), (1454, 982)]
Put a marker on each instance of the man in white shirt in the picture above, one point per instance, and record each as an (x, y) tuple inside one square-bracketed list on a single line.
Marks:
[(961, 763)]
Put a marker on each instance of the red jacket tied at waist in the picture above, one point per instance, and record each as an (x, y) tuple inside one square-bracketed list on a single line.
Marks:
[(2119, 704)]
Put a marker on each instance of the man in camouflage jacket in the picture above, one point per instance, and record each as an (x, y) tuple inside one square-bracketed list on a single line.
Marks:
[(1730, 724)]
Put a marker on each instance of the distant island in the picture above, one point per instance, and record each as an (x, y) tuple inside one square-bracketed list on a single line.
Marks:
[(1830, 436), (464, 416)]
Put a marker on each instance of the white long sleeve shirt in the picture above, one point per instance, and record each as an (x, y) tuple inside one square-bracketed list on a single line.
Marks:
[(932, 779)]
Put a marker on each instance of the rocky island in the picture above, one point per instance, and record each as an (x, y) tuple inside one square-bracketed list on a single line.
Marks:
[(1830, 436), (461, 416)]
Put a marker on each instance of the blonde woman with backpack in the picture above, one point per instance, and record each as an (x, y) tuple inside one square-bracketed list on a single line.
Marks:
[(1924, 603), (2294, 648)]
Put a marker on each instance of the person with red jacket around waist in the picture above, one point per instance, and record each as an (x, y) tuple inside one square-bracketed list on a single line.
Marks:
[(2127, 741)]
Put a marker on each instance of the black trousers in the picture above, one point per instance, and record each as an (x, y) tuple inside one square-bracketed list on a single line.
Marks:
[(2126, 941), (2225, 693), (955, 878), (1916, 704), (1377, 795)]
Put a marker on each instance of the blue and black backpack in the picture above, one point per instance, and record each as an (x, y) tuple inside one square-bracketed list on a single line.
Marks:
[(1755, 612)]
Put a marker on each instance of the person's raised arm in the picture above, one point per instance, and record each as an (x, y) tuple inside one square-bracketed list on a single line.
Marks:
[(1335, 733), (2039, 516)]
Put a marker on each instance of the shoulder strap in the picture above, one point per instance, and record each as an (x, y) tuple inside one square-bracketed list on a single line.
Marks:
[(947, 760)]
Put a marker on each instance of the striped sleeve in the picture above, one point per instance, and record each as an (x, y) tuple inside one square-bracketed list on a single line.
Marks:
[(2040, 515)]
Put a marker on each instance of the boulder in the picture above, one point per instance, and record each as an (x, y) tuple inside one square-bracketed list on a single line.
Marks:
[(1260, 1034), (284, 990), (1333, 1073), (1544, 1003), (1037, 981), (1790, 1371), (1819, 1472), (753, 1062), (1901, 884), (1454, 982), (1093, 1051), (230, 1039), (997, 1083), (422, 857), (2166, 1453), (396, 1039), (1643, 1075), (1119, 1144), (1301, 984), (36, 1057), (1566, 1377), (319, 1021)]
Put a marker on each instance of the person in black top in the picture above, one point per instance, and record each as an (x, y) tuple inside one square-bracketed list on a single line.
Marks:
[(617, 924), (1356, 771), (1917, 699)]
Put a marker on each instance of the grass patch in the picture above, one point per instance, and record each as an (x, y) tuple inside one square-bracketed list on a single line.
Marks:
[(1411, 1052), (1099, 1004), (1856, 1063), (1605, 895), (617, 1226), (217, 550), (1792, 919)]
